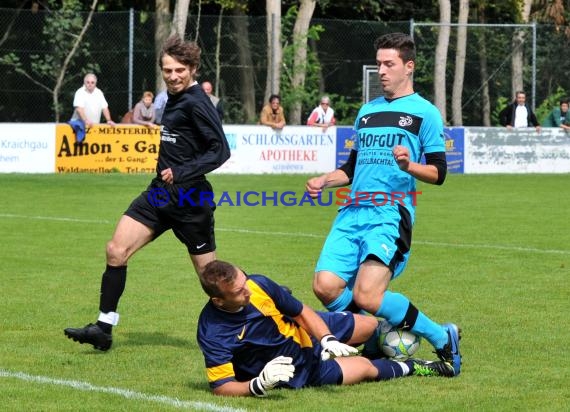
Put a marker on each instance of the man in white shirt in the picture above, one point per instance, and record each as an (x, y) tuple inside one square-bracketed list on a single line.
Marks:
[(518, 114), (322, 115), (89, 103)]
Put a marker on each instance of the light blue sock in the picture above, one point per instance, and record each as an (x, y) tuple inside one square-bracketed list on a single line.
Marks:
[(431, 331), (394, 308), (341, 302)]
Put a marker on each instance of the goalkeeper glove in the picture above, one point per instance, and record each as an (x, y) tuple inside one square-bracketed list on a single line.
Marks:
[(280, 369), (333, 348)]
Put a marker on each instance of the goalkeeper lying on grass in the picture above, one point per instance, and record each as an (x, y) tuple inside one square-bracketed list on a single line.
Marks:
[(255, 336)]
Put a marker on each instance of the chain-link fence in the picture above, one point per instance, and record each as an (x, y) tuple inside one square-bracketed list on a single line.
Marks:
[(344, 47)]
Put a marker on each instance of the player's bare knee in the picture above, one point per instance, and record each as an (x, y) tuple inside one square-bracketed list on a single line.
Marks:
[(320, 293), (117, 255), (327, 286), (325, 291), (370, 302)]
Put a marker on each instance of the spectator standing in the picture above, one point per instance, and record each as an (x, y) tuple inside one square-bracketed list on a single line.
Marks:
[(272, 114), (144, 111), (207, 87), (559, 116), (159, 104), (518, 114), (322, 115), (89, 103)]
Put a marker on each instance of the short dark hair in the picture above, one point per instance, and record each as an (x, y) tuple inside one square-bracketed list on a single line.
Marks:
[(399, 41), (565, 100), (187, 53), (274, 96), (216, 272)]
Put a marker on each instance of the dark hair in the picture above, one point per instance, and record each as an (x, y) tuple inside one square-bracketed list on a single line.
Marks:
[(216, 272), (399, 41), (274, 96), (564, 100), (187, 53)]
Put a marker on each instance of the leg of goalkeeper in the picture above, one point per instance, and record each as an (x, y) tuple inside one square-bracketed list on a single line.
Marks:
[(358, 369)]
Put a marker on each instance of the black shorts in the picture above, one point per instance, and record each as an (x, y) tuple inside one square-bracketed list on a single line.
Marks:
[(184, 208)]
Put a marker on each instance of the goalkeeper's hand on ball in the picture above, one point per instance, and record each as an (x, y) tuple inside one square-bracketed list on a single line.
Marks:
[(280, 369), (332, 348)]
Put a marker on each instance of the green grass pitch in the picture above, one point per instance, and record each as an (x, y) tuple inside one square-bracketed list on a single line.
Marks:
[(490, 253)]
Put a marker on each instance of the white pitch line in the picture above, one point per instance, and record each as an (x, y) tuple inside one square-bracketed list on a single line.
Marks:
[(125, 393), (312, 235), (55, 218), (500, 247)]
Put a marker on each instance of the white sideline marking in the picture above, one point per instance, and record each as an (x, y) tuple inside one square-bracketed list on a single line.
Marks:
[(54, 218), (311, 235), (125, 393)]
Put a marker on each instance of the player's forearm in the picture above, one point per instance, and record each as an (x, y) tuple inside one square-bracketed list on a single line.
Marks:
[(336, 178), (233, 389), (309, 320), (425, 173)]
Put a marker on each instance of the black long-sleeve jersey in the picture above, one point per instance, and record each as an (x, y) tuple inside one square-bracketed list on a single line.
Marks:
[(192, 140)]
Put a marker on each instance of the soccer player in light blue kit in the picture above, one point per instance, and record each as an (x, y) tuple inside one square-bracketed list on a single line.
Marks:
[(369, 243)]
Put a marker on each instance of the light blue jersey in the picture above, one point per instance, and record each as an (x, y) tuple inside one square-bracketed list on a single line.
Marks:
[(379, 215), (381, 125)]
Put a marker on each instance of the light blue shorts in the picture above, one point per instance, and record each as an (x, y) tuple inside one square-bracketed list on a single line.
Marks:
[(360, 233)]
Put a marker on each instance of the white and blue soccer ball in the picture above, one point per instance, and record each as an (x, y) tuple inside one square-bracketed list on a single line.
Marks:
[(397, 343)]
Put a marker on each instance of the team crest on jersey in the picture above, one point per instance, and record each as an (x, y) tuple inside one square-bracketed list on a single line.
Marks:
[(405, 121)]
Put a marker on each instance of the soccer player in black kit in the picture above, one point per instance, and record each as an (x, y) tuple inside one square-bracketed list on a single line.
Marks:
[(192, 144)]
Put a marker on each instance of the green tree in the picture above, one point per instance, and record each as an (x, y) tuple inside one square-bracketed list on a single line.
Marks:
[(62, 38), (293, 93), (550, 103)]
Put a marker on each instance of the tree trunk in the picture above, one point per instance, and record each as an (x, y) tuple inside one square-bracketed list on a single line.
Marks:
[(217, 55), (519, 36), (300, 31), (457, 93), (62, 72), (161, 31), (441, 57), (180, 17), (247, 89), (483, 70), (274, 49)]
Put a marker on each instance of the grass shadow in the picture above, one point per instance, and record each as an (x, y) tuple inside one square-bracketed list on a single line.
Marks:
[(154, 339)]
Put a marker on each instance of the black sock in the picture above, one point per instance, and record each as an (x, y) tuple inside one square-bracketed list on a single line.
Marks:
[(388, 369), (352, 308), (112, 287)]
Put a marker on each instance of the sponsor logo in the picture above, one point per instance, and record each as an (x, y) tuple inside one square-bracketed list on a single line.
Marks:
[(405, 121), (159, 197)]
